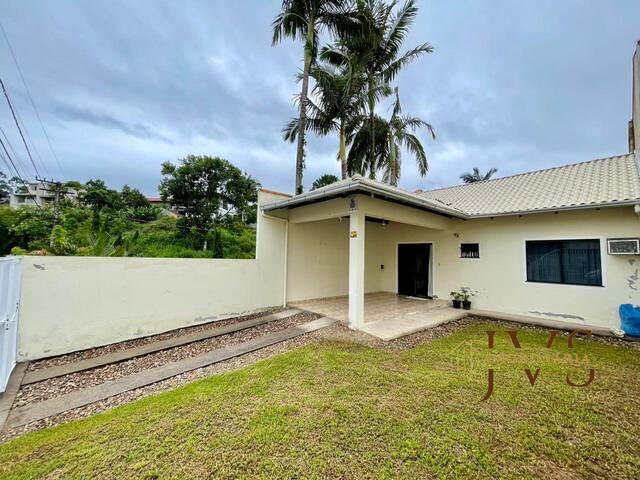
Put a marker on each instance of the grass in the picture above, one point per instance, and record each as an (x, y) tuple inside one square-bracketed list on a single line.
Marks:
[(342, 410)]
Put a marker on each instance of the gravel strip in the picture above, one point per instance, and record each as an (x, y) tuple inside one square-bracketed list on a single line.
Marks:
[(333, 331), (54, 387), (98, 351)]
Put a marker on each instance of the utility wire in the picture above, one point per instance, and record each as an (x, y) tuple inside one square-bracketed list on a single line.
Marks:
[(15, 119), (31, 143), (17, 171), (8, 156), (33, 104), (15, 154)]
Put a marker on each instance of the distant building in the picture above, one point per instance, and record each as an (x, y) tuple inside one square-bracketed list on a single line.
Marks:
[(39, 193), (156, 201), (165, 209)]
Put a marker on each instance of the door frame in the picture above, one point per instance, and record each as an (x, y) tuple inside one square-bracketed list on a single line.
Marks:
[(430, 268)]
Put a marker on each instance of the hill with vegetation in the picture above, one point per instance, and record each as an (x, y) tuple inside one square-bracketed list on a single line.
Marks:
[(209, 212)]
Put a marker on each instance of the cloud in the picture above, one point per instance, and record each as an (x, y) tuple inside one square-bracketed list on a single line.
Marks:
[(84, 115), (123, 86)]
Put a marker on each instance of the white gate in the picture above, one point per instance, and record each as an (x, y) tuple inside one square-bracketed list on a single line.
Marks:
[(10, 278)]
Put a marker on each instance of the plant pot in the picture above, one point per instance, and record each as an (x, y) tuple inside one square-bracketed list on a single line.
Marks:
[(456, 303), (466, 305)]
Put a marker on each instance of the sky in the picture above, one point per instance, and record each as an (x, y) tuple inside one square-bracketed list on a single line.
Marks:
[(123, 86)]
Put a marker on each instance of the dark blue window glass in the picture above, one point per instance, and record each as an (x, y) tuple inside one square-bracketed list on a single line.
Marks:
[(575, 262)]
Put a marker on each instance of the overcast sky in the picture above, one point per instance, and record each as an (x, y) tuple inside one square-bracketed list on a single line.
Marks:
[(123, 86)]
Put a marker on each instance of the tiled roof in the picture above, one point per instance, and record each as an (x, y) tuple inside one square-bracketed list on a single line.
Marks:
[(605, 181)]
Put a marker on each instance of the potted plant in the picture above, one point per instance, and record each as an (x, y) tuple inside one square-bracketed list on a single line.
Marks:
[(455, 299), (465, 294)]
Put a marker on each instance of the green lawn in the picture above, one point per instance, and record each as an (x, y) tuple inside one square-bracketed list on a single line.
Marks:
[(342, 410)]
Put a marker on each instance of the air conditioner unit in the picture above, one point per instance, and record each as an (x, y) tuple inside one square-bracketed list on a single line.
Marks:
[(623, 246)]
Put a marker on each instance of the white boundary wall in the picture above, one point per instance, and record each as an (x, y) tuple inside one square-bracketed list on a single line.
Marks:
[(74, 303)]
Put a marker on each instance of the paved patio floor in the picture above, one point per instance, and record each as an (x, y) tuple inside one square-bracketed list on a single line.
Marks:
[(387, 315)]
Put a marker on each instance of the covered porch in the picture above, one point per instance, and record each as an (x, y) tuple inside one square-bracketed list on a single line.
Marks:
[(367, 254), (387, 315)]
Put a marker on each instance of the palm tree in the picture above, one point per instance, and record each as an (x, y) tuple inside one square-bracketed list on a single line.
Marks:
[(477, 176), (323, 181), (336, 100), (303, 20), (401, 128), (390, 136), (380, 51)]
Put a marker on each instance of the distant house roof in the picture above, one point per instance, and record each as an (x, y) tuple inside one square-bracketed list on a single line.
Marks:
[(602, 182), (154, 200), (275, 192)]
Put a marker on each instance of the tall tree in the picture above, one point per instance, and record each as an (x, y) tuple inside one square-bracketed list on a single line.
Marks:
[(390, 138), (208, 191), (323, 181), (477, 176), (5, 188), (337, 99), (387, 29), (401, 134), (304, 20), (376, 52)]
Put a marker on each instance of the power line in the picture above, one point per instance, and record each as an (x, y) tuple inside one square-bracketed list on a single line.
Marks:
[(15, 154), (6, 95), (17, 171), (8, 156), (33, 104), (40, 161)]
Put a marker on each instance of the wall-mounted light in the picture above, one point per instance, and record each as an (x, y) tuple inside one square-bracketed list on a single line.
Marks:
[(384, 224)]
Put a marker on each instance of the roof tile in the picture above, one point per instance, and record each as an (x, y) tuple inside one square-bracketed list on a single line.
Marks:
[(596, 182)]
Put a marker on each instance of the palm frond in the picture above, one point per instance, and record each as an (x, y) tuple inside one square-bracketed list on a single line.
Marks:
[(391, 71), (413, 145), (290, 22), (399, 28)]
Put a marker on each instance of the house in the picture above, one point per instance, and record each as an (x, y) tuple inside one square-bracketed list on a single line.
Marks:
[(39, 193), (535, 246), (156, 201)]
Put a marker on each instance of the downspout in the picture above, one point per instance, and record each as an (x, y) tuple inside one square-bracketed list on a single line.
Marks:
[(285, 255)]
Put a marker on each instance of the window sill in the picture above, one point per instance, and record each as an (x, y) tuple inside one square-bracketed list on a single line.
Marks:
[(532, 282)]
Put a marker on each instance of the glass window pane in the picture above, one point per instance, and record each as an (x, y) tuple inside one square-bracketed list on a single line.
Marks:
[(469, 250), (575, 262), (543, 262), (581, 262)]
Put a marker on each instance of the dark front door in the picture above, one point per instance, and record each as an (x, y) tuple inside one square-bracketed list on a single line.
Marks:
[(413, 269)]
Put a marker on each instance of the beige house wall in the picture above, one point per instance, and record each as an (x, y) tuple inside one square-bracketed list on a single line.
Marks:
[(318, 259), (318, 245), (74, 303)]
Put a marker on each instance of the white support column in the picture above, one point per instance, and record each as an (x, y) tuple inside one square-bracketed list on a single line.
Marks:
[(356, 268)]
